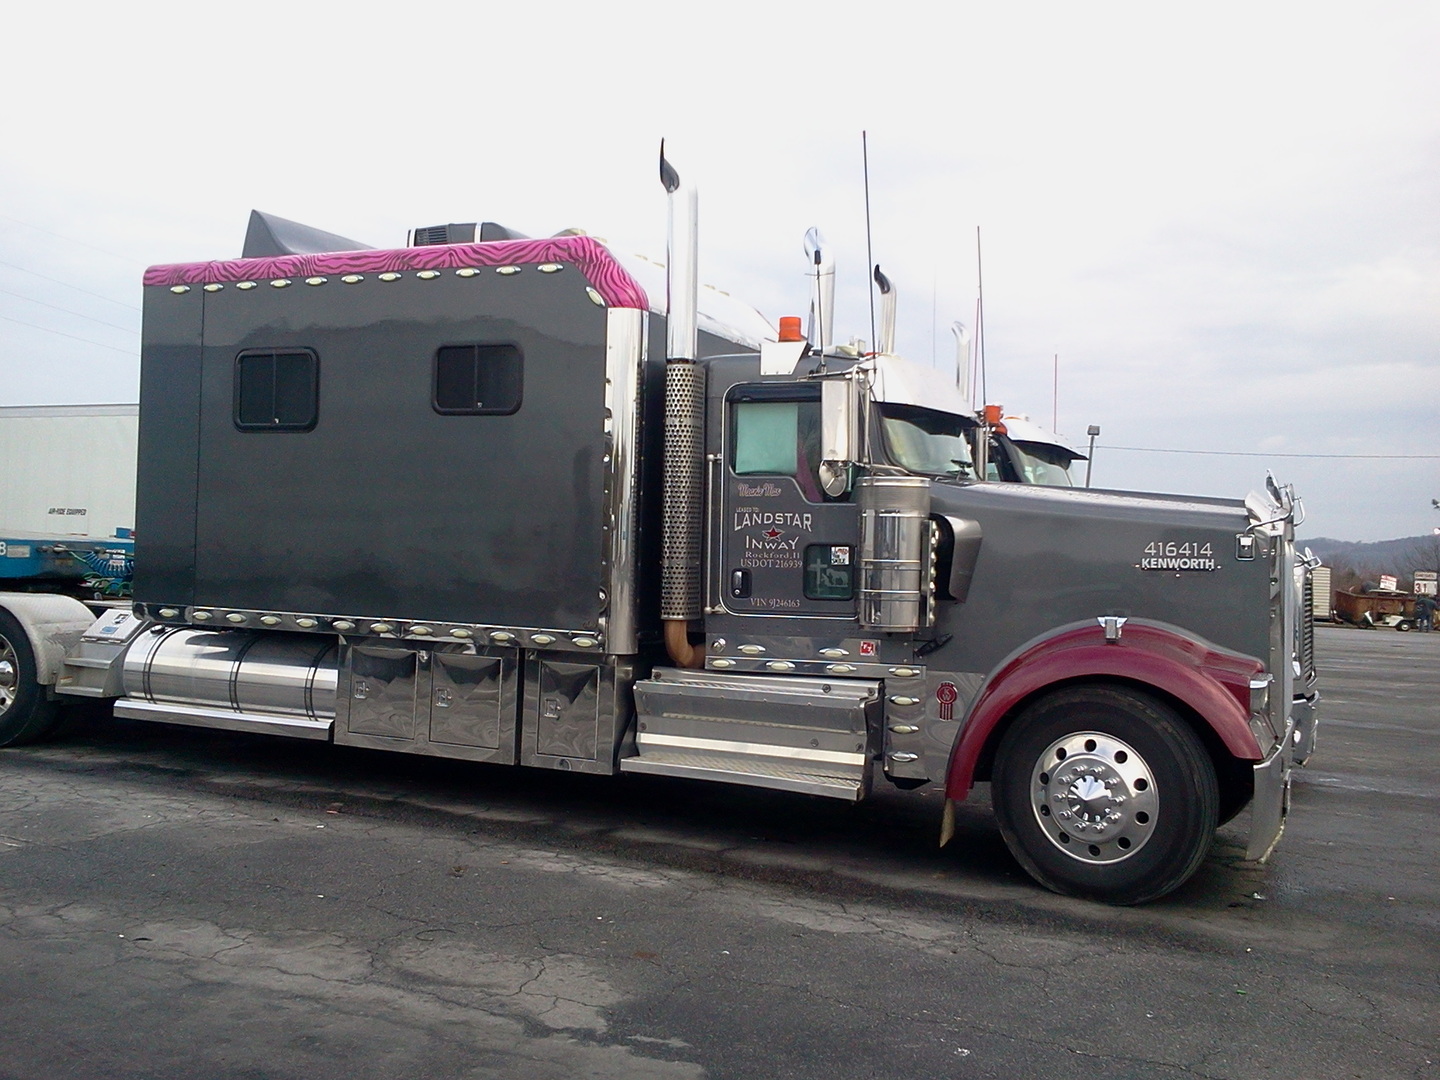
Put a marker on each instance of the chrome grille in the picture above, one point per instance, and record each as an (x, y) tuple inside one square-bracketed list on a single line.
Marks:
[(1306, 648)]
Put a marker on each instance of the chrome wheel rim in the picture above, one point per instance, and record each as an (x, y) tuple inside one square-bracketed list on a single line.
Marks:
[(9, 666), (1094, 797)]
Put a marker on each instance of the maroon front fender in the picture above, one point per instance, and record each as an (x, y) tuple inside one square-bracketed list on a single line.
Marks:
[(1215, 684)]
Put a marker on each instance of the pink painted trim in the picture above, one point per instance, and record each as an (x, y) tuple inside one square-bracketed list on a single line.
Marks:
[(1215, 684), (614, 284)]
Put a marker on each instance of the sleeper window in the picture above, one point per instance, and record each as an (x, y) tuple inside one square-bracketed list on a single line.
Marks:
[(478, 379), (277, 391)]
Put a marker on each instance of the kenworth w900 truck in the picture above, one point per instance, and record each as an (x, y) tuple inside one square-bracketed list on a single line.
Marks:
[(470, 498)]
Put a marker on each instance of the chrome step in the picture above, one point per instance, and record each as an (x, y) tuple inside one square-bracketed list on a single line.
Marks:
[(777, 775), (296, 727), (786, 732)]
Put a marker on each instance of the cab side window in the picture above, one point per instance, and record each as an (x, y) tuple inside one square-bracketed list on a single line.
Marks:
[(778, 438)]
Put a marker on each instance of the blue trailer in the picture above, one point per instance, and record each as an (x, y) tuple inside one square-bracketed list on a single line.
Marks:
[(97, 568)]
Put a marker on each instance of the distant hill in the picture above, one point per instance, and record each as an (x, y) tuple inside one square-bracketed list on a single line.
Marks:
[(1378, 551), (1360, 563)]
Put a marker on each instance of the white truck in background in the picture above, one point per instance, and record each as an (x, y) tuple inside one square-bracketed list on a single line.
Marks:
[(69, 470), (1023, 452), (67, 498)]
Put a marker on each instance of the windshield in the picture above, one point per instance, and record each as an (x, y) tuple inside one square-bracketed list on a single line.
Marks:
[(1048, 465), (927, 442)]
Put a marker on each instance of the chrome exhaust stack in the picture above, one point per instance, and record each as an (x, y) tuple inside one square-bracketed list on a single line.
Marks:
[(682, 273), (684, 470)]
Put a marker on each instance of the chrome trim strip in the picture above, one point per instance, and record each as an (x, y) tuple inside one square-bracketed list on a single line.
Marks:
[(814, 668), (712, 571), (542, 638), (626, 334)]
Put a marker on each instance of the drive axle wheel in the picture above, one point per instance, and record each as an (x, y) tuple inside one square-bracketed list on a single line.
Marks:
[(25, 715), (1104, 792)]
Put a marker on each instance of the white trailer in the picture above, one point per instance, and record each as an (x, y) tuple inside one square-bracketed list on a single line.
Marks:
[(68, 470)]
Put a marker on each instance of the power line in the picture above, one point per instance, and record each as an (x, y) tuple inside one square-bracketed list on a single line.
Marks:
[(70, 239), (67, 311), (72, 337), (57, 281), (1268, 454)]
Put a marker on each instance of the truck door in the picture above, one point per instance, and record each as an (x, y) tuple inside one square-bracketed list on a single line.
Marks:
[(785, 548)]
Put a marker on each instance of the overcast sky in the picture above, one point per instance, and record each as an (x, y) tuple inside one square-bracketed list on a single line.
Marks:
[(1223, 218)]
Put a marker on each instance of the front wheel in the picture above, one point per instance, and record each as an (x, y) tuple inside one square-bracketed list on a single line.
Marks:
[(1106, 793), (1403, 626), (25, 714)]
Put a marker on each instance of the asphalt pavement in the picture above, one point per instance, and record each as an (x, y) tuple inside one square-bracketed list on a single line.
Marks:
[(177, 903)]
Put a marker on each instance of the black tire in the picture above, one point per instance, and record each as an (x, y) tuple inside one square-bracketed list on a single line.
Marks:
[(1105, 793), (1403, 626), (26, 715)]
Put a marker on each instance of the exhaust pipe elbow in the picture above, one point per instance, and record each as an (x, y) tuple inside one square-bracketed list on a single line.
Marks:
[(677, 644)]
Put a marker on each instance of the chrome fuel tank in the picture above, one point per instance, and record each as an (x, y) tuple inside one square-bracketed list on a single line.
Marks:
[(240, 670)]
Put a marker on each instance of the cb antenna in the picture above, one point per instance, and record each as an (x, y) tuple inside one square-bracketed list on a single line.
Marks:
[(869, 253), (980, 320)]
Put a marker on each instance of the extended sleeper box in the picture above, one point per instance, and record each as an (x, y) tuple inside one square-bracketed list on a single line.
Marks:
[(445, 434)]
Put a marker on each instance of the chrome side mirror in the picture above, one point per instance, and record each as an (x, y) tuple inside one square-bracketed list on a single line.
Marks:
[(839, 433)]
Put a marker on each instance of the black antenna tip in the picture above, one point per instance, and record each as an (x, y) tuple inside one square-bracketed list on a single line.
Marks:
[(668, 176)]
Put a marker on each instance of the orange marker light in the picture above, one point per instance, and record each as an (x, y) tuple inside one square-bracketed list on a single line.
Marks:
[(790, 328)]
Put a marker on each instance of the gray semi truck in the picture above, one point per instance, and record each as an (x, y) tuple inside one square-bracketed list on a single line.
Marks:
[(472, 498)]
